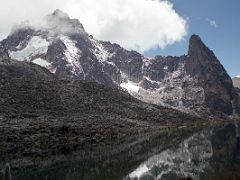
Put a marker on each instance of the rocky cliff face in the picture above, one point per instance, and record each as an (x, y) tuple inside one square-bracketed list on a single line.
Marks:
[(237, 89), (195, 83), (202, 64)]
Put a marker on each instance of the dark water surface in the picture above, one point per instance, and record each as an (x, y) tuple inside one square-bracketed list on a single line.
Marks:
[(209, 154)]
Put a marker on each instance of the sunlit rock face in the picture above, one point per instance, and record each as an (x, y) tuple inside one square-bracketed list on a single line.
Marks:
[(196, 83), (236, 82)]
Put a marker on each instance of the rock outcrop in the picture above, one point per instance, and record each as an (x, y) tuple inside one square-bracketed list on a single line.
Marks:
[(202, 64), (4, 57), (236, 82)]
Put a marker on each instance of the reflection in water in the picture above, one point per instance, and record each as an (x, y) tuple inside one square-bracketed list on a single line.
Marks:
[(213, 153), (238, 144), (190, 158)]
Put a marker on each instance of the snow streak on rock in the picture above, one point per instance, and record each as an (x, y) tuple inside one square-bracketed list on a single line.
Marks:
[(72, 54), (130, 86), (100, 52)]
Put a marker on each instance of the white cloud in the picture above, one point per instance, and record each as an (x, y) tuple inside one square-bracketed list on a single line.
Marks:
[(134, 24), (13, 12), (212, 22)]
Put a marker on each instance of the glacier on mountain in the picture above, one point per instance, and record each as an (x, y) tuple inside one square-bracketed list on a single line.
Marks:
[(37, 46)]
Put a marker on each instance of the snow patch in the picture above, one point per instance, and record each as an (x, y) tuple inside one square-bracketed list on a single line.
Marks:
[(238, 76), (149, 79), (100, 52), (111, 63), (41, 62), (146, 62), (165, 68), (36, 46), (130, 86)]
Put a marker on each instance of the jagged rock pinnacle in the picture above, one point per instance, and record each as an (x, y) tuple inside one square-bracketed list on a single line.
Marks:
[(210, 74), (195, 37), (199, 56), (195, 43)]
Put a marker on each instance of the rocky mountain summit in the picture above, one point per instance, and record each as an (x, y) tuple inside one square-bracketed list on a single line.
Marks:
[(218, 88), (196, 83)]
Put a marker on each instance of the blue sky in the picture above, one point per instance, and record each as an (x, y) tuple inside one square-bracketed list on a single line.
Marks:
[(223, 37)]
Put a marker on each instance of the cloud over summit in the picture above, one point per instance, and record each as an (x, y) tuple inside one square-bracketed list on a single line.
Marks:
[(134, 24)]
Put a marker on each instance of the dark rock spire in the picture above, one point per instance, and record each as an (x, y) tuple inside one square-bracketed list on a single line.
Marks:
[(202, 64)]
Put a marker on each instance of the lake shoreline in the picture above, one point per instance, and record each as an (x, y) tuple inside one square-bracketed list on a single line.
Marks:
[(74, 138)]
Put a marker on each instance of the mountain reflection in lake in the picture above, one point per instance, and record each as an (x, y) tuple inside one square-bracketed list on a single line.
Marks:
[(190, 158), (210, 154)]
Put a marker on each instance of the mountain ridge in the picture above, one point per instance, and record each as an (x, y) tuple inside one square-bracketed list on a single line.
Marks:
[(190, 83)]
